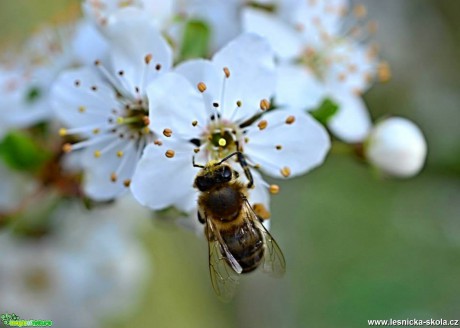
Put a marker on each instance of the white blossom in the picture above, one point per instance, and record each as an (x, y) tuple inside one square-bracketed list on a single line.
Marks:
[(206, 108), (26, 78), (397, 147), (321, 57), (89, 268), (106, 104)]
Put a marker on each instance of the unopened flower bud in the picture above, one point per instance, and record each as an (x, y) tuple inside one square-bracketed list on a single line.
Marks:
[(397, 147)]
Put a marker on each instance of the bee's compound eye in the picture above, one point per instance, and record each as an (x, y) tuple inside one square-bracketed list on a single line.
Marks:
[(203, 183), (227, 173)]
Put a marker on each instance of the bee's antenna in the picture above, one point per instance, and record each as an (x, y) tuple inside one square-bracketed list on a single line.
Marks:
[(196, 165)]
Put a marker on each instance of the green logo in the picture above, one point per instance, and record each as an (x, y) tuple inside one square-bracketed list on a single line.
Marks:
[(13, 320)]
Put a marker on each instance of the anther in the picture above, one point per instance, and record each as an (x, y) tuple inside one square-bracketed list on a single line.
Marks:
[(227, 72), (97, 153), (264, 104), (290, 119), (82, 109), (170, 153), (372, 27), (201, 87), (146, 120), (167, 133), (285, 171), (158, 142), (246, 140), (96, 131), (97, 62), (360, 11), (77, 83), (148, 58), (196, 150), (67, 148), (121, 73), (127, 183), (120, 153), (62, 132), (239, 103), (113, 177), (158, 67), (274, 189), (279, 147), (195, 123), (215, 104), (94, 88), (384, 72), (262, 125)]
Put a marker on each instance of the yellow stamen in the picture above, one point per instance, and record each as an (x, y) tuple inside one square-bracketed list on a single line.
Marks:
[(167, 133), (227, 72), (170, 153), (290, 119), (202, 87), (67, 148), (262, 124), (148, 58), (264, 104), (274, 189), (285, 171)]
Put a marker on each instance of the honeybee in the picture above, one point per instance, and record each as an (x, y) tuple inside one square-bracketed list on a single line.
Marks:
[(238, 242)]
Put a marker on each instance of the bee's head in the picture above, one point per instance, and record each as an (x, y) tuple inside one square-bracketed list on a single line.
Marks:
[(214, 174)]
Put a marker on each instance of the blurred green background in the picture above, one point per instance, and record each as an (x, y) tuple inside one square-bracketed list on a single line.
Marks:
[(357, 247)]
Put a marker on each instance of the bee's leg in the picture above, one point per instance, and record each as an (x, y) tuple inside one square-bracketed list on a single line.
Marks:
[(245, 166), (196, 165), (200, 218)]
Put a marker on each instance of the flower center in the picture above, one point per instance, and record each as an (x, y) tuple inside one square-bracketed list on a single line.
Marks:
[(135, 119), (315, 61), (221, 139)]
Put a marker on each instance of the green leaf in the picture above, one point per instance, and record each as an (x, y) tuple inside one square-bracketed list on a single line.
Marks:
[(325, 111), (195, 42), (21, 152)]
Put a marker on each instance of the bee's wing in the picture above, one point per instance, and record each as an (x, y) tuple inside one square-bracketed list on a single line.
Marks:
[(224, 270), (273, 262)]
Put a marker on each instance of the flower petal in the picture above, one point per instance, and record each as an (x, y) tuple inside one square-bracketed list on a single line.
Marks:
[(298, 88), (204, 71), (250, 62), (160, 182), (133, 37), (352, 122), (77, 104), (287, 150), (176, 105), (100, 183), (355, 70), (285, 40)]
